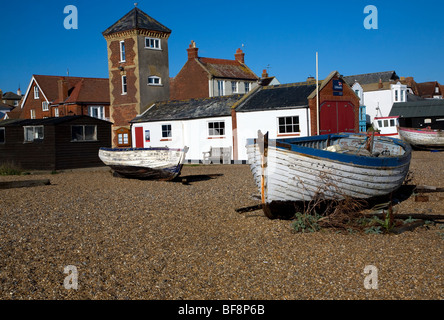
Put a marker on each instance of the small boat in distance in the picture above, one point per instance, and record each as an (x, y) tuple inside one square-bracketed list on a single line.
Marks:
[(327, 167), (387, 126), (423, 138), (145, 163)]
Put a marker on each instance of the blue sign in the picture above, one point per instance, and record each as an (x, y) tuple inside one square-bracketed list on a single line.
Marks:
[(337, 93), (337, 85)]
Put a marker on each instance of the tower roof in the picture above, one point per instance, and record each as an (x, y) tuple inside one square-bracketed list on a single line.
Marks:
[(136, 19)]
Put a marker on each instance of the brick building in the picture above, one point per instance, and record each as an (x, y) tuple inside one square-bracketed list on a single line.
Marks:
[(138, 69), (210, 77), (56, 96)]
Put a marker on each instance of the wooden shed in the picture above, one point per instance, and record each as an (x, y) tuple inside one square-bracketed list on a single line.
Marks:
[(54, 143)]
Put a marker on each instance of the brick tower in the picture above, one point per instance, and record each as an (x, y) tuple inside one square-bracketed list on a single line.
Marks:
[(138, 69)]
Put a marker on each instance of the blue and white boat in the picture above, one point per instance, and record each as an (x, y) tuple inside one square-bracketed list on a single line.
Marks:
[(145, 163), (328, 167)]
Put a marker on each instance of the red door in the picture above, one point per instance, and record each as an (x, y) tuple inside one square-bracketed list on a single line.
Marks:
[(336, 116), (139, 137)]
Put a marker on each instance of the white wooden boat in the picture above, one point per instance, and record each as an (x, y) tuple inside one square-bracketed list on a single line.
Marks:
[(327, 167), (423, 138), (387, 126), (146, 163)]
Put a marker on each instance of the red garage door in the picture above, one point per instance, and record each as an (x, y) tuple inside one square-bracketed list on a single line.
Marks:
[(336, 116)]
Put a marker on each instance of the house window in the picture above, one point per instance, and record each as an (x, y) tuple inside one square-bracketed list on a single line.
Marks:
[(2, 135), (122, 139), (396, 95), (288, 125), (56, 112), (247, 87), (124, 85), (36, 92), (96, 112), (33, 133), (45, 106), (436, 89), (84, 133), (216, 128), (122, 51), (154, 81), (152, 43), (32, 111), (16, 103), (221, 87), (234, 86), (166, 131)]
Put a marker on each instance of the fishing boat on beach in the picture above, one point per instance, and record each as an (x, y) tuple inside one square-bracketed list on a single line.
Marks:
[(387, 126), (145, 163), (423, 138), (329, 167)]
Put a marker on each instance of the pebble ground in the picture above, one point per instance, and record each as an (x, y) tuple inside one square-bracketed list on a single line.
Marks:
[(132, 239)]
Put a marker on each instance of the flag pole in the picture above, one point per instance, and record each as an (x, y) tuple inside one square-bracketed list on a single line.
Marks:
[(317, 94)]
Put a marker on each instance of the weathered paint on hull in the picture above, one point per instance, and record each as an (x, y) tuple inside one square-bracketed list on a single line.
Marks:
[(302, 170), (422, 138), (146, 163)]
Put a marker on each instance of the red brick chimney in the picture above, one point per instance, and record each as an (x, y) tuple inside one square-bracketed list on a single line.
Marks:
[(192, 51), (239, 56), (264, 73), (63, 89)]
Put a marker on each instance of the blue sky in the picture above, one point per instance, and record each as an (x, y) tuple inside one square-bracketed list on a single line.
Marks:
[(281, 35)]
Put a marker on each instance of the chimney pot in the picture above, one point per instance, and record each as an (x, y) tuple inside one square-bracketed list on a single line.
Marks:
[(192, 51), (239, 55), (264, 73)]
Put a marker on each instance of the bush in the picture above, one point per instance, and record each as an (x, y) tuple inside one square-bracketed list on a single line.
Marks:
[(9, 168)]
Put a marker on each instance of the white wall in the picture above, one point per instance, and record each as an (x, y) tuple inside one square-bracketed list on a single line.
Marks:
[(190, 133), (381, 98), (248, 124)]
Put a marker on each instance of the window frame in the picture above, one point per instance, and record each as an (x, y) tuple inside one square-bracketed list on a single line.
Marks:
[(168, 131), (122, 51), (3, 129), (100, 112), (159, 79), (154, 46), (220, 88), (32, 113), (247, 87), (235, 86), (25, 137), (45, 106), (286, 124), (212, 130), (36, 92), (124, 85), (84, 133)]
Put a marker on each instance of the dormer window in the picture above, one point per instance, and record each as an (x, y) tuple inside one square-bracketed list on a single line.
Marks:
[(154, 81), (152, 43), (436, 89)]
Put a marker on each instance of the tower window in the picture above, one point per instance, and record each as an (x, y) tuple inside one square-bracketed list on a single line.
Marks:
[(122, 51), (152, 43), (154, 81), (36, 92), (124, 85)]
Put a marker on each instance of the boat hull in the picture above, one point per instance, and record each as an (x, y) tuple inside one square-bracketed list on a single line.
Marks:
[(145, 163), (427, 139), (286, 172)]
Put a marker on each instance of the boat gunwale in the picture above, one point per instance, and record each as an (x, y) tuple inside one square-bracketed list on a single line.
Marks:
[(144, 149), (357, 160)]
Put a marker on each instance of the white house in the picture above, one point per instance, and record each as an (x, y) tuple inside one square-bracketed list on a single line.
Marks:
[(378, 91)]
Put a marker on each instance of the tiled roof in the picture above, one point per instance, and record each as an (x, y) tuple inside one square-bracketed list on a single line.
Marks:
[(189, 109), (45, 121), (136, 19), (277, 97), (368, 78), (11, 96), (80, 90), (223, 68), (427, 88)]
